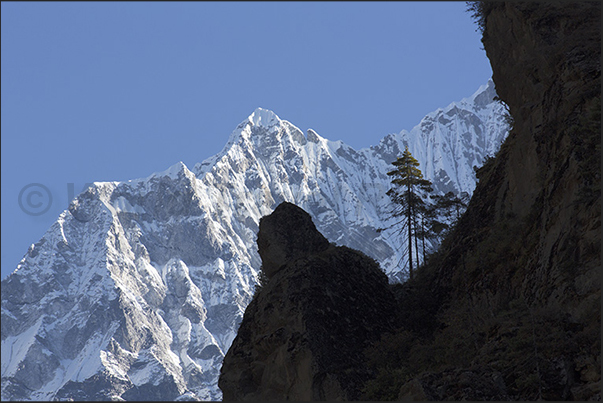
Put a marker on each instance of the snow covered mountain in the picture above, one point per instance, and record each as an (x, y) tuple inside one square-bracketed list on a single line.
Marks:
[(137, 290)]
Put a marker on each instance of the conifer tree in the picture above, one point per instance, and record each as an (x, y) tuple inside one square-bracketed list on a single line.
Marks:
[(408, 194), (446, 211)]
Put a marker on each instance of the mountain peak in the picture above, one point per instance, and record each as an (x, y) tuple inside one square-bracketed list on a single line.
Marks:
[(483, 96), (172, 172), (263, 117)]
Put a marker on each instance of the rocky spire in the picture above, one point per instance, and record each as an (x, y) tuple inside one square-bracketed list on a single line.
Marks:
[(287, 235)]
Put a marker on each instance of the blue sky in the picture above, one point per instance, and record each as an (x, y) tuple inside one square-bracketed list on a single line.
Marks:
[(116, 91)]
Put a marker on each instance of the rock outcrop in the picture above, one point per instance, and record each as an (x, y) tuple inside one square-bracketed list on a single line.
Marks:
[(276, 244), (304, 333)]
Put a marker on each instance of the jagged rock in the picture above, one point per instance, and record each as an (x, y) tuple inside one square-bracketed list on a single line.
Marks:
[(303, 334)]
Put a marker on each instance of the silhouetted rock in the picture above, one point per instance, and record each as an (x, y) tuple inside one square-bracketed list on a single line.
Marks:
[(304, 332), (286, 235)]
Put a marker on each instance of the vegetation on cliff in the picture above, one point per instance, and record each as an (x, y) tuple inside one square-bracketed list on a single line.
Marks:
[(420, 219)]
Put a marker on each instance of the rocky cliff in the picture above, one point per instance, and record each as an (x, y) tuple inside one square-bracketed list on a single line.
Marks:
[(514, 294), (304, 332)]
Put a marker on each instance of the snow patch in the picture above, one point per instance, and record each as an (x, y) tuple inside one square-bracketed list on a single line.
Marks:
[(15, 348)]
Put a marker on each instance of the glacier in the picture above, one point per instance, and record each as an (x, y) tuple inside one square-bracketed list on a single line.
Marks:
[(137, 290)]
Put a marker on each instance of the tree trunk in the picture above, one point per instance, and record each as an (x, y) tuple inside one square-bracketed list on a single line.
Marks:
[(414, 221), (423, 234), (409, 217)]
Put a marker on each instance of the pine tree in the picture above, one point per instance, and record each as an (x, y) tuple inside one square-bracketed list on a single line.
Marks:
[(408, 194), (446, 211)]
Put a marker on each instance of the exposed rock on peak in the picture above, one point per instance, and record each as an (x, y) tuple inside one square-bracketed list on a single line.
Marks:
[(313, 137), (304, 332)]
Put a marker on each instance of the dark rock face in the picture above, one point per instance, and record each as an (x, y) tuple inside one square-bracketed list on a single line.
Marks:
[(304, 332), (472, 384), (287, 235), (519, 278), (546, 65)]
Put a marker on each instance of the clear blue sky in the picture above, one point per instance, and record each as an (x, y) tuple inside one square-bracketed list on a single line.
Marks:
[(116, 91)]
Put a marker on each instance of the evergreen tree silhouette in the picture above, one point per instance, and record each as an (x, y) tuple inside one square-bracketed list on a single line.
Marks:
[(408, 193)]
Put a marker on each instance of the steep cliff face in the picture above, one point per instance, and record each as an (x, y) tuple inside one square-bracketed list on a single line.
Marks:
[(546, 66), (520, 276), (304, 332)]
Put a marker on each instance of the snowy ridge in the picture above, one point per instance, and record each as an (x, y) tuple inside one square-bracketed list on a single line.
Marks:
[(137, 290)]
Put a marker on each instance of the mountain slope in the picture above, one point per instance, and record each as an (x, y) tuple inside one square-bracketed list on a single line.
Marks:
[(138, 288)]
